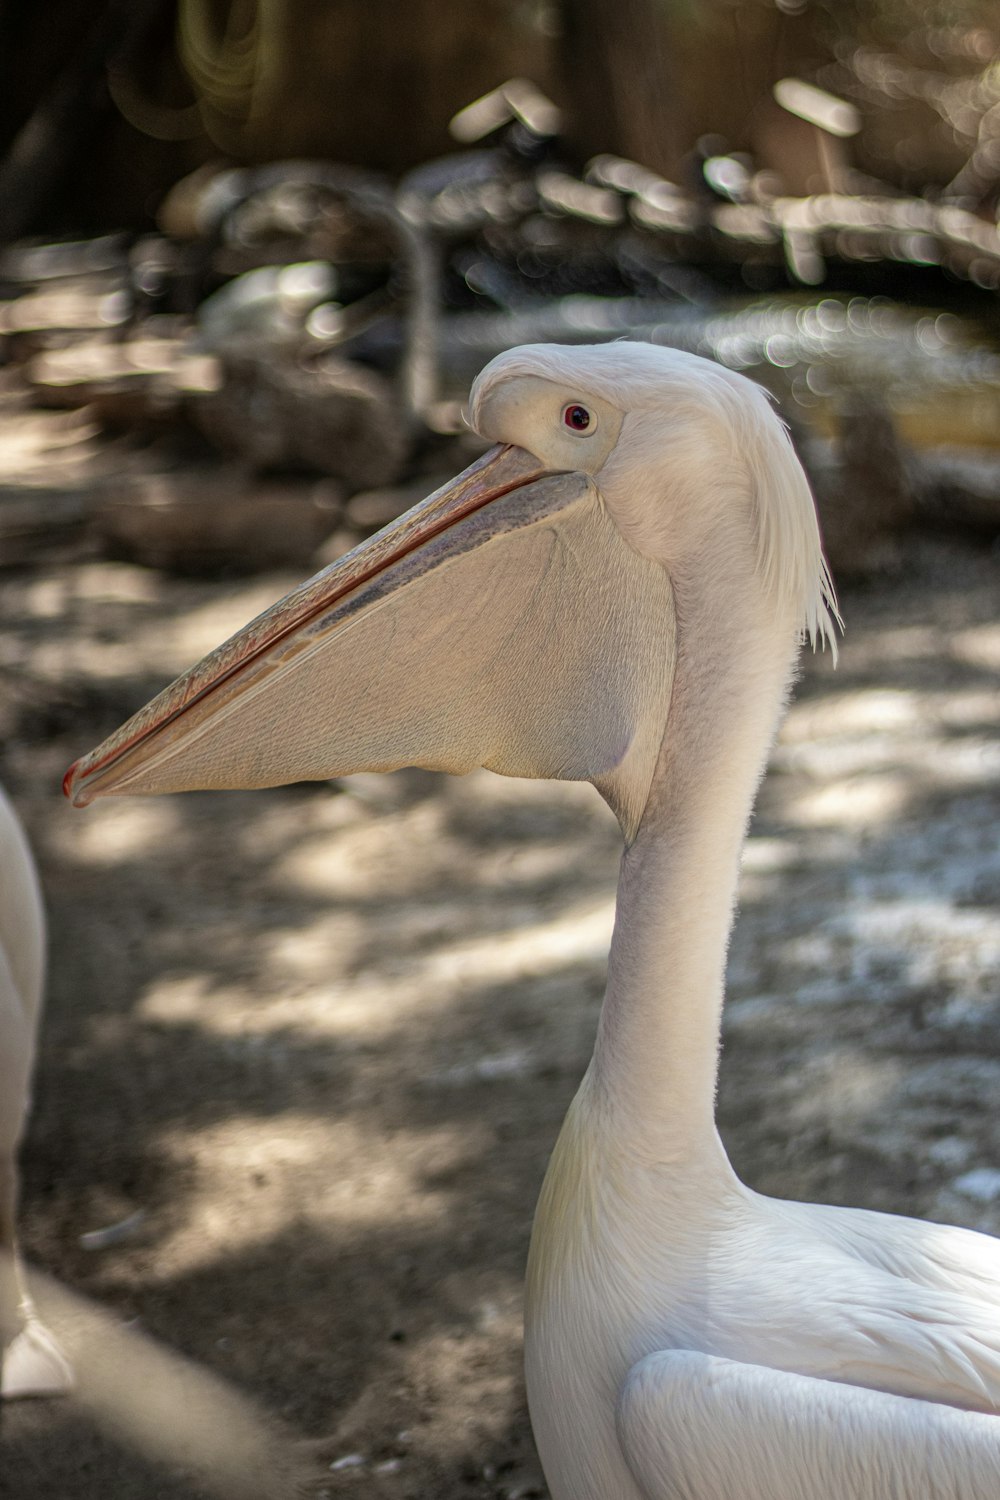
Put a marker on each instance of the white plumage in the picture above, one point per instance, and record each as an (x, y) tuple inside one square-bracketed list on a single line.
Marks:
[(619, 597), (32, 1363)]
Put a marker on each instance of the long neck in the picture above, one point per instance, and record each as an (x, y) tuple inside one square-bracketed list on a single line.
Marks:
[(656, 1057)]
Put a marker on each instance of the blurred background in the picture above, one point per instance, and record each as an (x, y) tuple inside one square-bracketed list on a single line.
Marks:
[(329, 216), (306, 1051)]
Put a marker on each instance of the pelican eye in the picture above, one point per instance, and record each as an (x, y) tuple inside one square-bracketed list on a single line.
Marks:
[(577, 417)]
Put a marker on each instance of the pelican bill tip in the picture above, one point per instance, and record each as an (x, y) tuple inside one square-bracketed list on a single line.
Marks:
[(77, 795)]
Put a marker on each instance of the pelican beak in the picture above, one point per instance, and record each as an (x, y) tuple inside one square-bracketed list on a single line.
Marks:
[(177, 742), (503, 622)]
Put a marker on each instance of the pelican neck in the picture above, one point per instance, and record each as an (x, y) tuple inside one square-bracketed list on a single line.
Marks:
[(655, 1062)]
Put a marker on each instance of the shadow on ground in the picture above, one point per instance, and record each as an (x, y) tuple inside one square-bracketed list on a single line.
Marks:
[(312, 1047)]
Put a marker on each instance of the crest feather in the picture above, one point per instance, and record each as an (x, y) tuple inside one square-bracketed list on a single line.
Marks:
[(789, 547)]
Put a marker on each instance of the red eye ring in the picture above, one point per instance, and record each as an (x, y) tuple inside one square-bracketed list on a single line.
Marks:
[(577, 417)]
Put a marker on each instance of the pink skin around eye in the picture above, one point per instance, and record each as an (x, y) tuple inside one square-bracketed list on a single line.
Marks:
[(577, 417)]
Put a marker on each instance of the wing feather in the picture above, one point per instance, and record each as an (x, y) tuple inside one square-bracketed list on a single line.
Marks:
[(693, 1425)]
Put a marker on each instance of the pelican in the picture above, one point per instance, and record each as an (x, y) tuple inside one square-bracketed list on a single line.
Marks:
[(617, 592), (31, 1362)]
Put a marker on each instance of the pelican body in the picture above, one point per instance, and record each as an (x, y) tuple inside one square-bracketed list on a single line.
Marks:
[(617, 593), (31, 1363)]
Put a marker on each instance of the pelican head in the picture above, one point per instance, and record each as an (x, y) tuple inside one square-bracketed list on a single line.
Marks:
[(526, 617)]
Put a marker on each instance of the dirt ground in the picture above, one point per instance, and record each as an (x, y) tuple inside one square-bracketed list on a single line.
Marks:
[(306, 1051)]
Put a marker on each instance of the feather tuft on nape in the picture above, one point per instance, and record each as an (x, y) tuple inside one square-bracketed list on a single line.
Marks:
[(789, 547)]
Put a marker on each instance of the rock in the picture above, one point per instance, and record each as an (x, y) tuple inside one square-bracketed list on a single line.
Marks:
[(125, 384), (269, 305), (871, 489), (212, 519), (60, 315), (42, 522), (960, 487), (863, 486), (329, 416)]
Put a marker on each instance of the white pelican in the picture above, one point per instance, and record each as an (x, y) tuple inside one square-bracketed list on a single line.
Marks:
[(616, 593), (31, 1363)]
